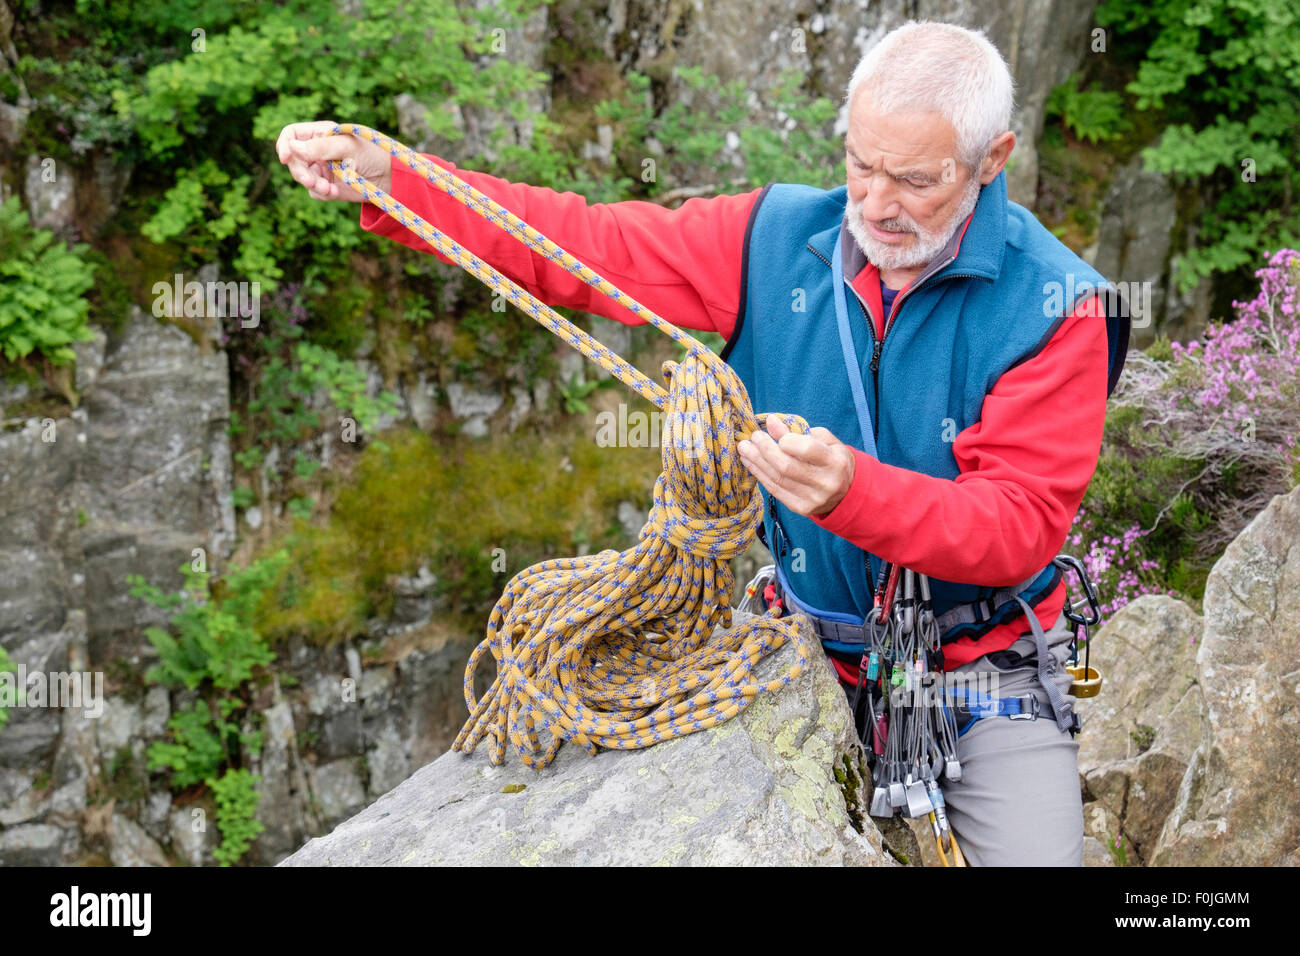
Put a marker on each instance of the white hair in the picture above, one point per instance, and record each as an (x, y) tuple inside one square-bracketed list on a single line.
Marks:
[(938, 67)]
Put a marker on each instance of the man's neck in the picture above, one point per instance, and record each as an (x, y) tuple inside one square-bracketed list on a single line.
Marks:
[(899, 278)]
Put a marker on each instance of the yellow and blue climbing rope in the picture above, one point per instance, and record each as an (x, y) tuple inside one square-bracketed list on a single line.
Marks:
[(619, 650)]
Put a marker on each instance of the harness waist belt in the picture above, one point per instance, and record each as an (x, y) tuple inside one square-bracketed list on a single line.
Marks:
[(844, 632), (977, 612)]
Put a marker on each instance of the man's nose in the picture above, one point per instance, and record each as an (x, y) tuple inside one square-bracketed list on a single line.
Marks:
[(881, 199)]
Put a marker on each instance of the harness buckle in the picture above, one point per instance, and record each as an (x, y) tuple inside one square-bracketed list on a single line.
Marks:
[(1033, 708)]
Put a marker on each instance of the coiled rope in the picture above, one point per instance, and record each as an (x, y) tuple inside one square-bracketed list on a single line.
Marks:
[(618, 650)]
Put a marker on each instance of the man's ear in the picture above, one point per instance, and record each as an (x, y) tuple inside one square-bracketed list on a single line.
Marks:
[(997, 158)]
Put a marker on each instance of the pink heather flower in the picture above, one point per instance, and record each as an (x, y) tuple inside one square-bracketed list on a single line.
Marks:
[(1240, 373)]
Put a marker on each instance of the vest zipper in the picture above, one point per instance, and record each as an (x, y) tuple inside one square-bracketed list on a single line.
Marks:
[(889, 323), (877, 588), (877, 348)]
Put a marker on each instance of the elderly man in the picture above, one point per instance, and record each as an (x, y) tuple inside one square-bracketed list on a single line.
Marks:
[(959, 402)]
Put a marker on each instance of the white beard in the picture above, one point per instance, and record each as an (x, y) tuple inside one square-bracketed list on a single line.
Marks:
[(927, 243)]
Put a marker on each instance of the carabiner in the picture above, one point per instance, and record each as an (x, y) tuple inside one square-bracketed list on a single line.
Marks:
[(1068, 562)]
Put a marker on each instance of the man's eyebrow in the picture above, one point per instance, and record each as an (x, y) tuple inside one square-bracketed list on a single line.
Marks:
[(920, 174), (912, 173)]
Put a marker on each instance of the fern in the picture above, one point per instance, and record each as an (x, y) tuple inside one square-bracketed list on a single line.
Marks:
[(1094, 115), (212, 647), (236, 796), (42, 284)]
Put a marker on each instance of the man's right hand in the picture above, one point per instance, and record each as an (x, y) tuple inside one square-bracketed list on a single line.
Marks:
[(306, 148)]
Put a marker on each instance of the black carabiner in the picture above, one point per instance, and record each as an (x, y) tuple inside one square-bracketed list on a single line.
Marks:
[(779, 538), (1068, 562)]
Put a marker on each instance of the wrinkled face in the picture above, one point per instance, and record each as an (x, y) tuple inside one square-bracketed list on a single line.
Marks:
[(908, 192)]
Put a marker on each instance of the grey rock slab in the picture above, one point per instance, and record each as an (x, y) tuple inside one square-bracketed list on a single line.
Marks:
[(338, 788), (388, 760), (1146, 654), (1138, 220), (1140, 731), (1095, 853), (758, 789), (277, 810), (36, 844), (119, 726), (130, 845), (157, 445), (188, 829), (1239, 801), (51, 190), (157, 711)]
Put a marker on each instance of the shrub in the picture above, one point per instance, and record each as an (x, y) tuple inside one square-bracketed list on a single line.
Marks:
[(43, 308), (215, 650), (1223, 78), (236, 797), (1199, 438), (1094, 115)]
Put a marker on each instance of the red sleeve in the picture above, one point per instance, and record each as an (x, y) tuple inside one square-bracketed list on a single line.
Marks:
[(683, 264), (1025, 466)]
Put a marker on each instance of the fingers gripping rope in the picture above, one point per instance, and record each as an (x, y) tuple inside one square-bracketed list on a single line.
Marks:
[(618, 650)]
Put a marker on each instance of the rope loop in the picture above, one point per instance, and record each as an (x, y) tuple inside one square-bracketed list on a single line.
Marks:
[(619, 650)]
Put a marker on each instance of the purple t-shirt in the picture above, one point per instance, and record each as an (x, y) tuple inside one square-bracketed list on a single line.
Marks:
[(887, 299)]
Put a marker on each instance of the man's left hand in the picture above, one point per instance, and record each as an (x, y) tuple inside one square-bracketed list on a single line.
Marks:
[(810, 474)]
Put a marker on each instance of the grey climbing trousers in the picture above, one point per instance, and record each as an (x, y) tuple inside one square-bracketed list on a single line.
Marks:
[(1018, 801)]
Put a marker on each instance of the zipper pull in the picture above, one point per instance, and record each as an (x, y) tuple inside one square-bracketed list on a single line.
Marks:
[(875, 356)]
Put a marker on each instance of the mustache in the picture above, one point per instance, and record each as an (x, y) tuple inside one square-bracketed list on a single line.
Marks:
[(896, 224)]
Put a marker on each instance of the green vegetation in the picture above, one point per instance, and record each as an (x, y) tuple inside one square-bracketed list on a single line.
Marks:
[(1135, 485), (694, 145), (1199, 438), (285, 387), (1143, 737), (236, 797), (573, 392), (1221, 80), (1092, 115), (1118, 851), (235, 73), (416, 501), (286, 377), (215, 651), (42, 291), (7, 667)]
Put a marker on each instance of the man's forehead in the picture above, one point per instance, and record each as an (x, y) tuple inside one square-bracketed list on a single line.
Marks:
[(913, 138)]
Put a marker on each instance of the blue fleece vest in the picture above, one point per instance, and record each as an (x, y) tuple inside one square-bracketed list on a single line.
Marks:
[(989, 302)]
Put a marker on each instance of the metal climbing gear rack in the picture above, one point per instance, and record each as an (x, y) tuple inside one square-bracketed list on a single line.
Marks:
[(912, 728), (909, 732)]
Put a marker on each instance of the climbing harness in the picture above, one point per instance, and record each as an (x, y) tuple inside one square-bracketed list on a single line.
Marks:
[(910, 732), (619, 650), (910, 715)]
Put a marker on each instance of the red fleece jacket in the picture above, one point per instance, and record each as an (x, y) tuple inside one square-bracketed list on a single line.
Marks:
[(1024, 465)]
